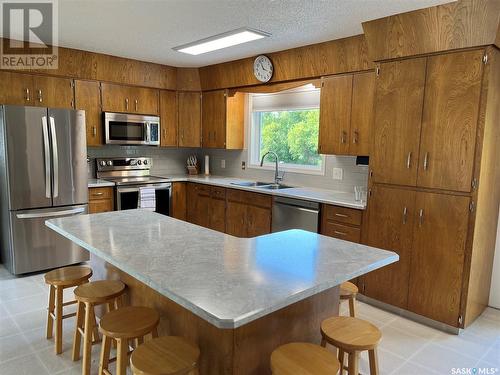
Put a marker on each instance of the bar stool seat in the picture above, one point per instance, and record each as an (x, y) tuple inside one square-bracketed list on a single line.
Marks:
[(166, 355), (123, 325), (303, 358), (351, 336), (348, 291), (60, 279), (88, 296)]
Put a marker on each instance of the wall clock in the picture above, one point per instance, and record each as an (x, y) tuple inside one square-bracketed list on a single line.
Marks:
[(263, 68)]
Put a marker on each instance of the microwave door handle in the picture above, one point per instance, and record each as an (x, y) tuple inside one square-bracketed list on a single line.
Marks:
[(148, 132), (46, 152), (55, 157)]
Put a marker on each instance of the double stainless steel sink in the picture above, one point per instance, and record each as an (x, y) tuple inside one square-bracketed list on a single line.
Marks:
[(261, 185)]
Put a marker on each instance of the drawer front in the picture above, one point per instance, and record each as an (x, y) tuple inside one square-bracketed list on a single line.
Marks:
[(100, 205), (342, 214), (100, 193), (340, 231), (218, 192), (200, 188), (254, 199)]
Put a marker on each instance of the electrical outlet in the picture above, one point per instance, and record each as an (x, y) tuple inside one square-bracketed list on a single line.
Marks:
[(223, 163), (243, 165), (338, 173)]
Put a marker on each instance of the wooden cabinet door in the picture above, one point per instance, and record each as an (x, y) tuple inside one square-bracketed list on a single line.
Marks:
[(335, 115), (396, 128), (115, 98), (236, 217), (217, 209), (168, 118), (213, 119), (100, 200), (179, 193), (16, 89), (437, 263), (144, 101), (391, 214), (198, 204), (189, 119), (363, 94), (88, 98), (53, 92), (449, 125), (235, 121), (258, 221)]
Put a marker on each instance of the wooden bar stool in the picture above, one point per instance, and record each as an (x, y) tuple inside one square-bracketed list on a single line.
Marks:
[(59, 280), (123, 325), (303, 358), (88, 296), (348, 291), (168, 355), (351, 336)]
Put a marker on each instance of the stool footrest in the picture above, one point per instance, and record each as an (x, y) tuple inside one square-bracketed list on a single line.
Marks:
[(70, 303)]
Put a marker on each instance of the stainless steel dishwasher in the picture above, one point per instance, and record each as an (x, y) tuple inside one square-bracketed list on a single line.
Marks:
[(291, 213)]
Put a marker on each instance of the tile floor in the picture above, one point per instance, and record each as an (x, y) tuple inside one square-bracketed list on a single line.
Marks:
[(406, 348)]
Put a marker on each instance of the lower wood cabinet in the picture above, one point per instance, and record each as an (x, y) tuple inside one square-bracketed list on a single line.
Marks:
[(206, 206), (179, 201), (341, 222), (217, 209), (248, 214), (101, 199), (429, 232)]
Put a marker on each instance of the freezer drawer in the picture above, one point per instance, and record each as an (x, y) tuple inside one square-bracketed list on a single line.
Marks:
[(36, 246)]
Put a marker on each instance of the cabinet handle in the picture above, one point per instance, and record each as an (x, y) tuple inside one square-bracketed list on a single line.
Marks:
[(40, 96), (420, 217), (27, 97), (408, 161), (426, 161), (356, 136), (97, 194), (341, 215), (136, 105), (405, 215), (340, 233), (126, 104), (164, 132), (342, 136), (94, 131)]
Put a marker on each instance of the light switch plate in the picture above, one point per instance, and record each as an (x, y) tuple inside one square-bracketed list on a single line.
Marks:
[(338, 173), (223, 163)]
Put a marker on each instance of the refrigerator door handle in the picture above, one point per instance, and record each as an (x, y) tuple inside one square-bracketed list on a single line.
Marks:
[(46, 148), (55, 157), (73, 211)]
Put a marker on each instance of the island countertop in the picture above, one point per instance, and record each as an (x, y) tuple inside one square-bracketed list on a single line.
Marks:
[(227, 281)]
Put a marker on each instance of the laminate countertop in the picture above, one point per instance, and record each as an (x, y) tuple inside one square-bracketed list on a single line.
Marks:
[(97, 182), (227, 281)]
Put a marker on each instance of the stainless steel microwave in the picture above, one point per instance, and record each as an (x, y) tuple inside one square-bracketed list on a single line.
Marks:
[(129, 129)]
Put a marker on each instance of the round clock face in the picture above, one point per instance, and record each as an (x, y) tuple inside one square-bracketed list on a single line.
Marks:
[(263, 68)]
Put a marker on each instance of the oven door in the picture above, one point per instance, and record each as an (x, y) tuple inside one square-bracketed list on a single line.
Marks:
[(127, 197)]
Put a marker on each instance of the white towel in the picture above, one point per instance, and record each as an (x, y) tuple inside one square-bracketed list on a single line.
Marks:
[(147, 198)]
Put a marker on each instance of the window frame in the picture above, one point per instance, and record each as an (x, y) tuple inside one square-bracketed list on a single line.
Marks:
[(253, 132)]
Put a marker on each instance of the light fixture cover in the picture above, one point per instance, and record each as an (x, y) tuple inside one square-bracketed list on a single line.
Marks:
[(224, 40)]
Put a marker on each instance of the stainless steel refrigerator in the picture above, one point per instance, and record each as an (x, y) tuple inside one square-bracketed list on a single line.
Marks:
[(43, 174)]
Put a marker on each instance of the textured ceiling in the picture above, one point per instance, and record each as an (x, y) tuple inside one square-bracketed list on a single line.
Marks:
[(148, 29)]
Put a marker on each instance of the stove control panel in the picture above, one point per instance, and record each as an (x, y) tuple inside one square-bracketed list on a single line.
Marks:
[(115, 164)]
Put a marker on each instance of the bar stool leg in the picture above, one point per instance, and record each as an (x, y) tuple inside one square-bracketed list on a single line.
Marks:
[(353, 364), (352, 306), (59, 313), (121, 356), (87, 337), (154, 332), (77, 337), (323, 342), (373, 358), (95, 329), (50, 310), (105, 351), (341, 358)]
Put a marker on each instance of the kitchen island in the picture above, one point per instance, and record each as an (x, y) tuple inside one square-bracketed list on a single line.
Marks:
[(237, 298)]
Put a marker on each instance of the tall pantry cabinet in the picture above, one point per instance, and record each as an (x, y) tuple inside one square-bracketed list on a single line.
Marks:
[(434, 183)]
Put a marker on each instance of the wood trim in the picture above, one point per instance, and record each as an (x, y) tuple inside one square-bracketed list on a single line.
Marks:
[(461, 24), (276, 87), (188, 79), (312, 61)]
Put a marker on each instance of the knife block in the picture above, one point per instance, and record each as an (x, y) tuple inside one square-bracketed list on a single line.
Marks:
[(193, 169)]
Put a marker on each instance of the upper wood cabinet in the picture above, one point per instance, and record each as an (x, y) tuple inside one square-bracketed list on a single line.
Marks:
[(449, 123), (346, 114), (222, 120), (396, 128), (391, 214), (33, 90), (88, 98), (189, 118), (129, 99), (168, 118), (437, 264)]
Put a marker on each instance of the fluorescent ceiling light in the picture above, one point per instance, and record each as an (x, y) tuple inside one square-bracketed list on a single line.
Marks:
[(231, 38)]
